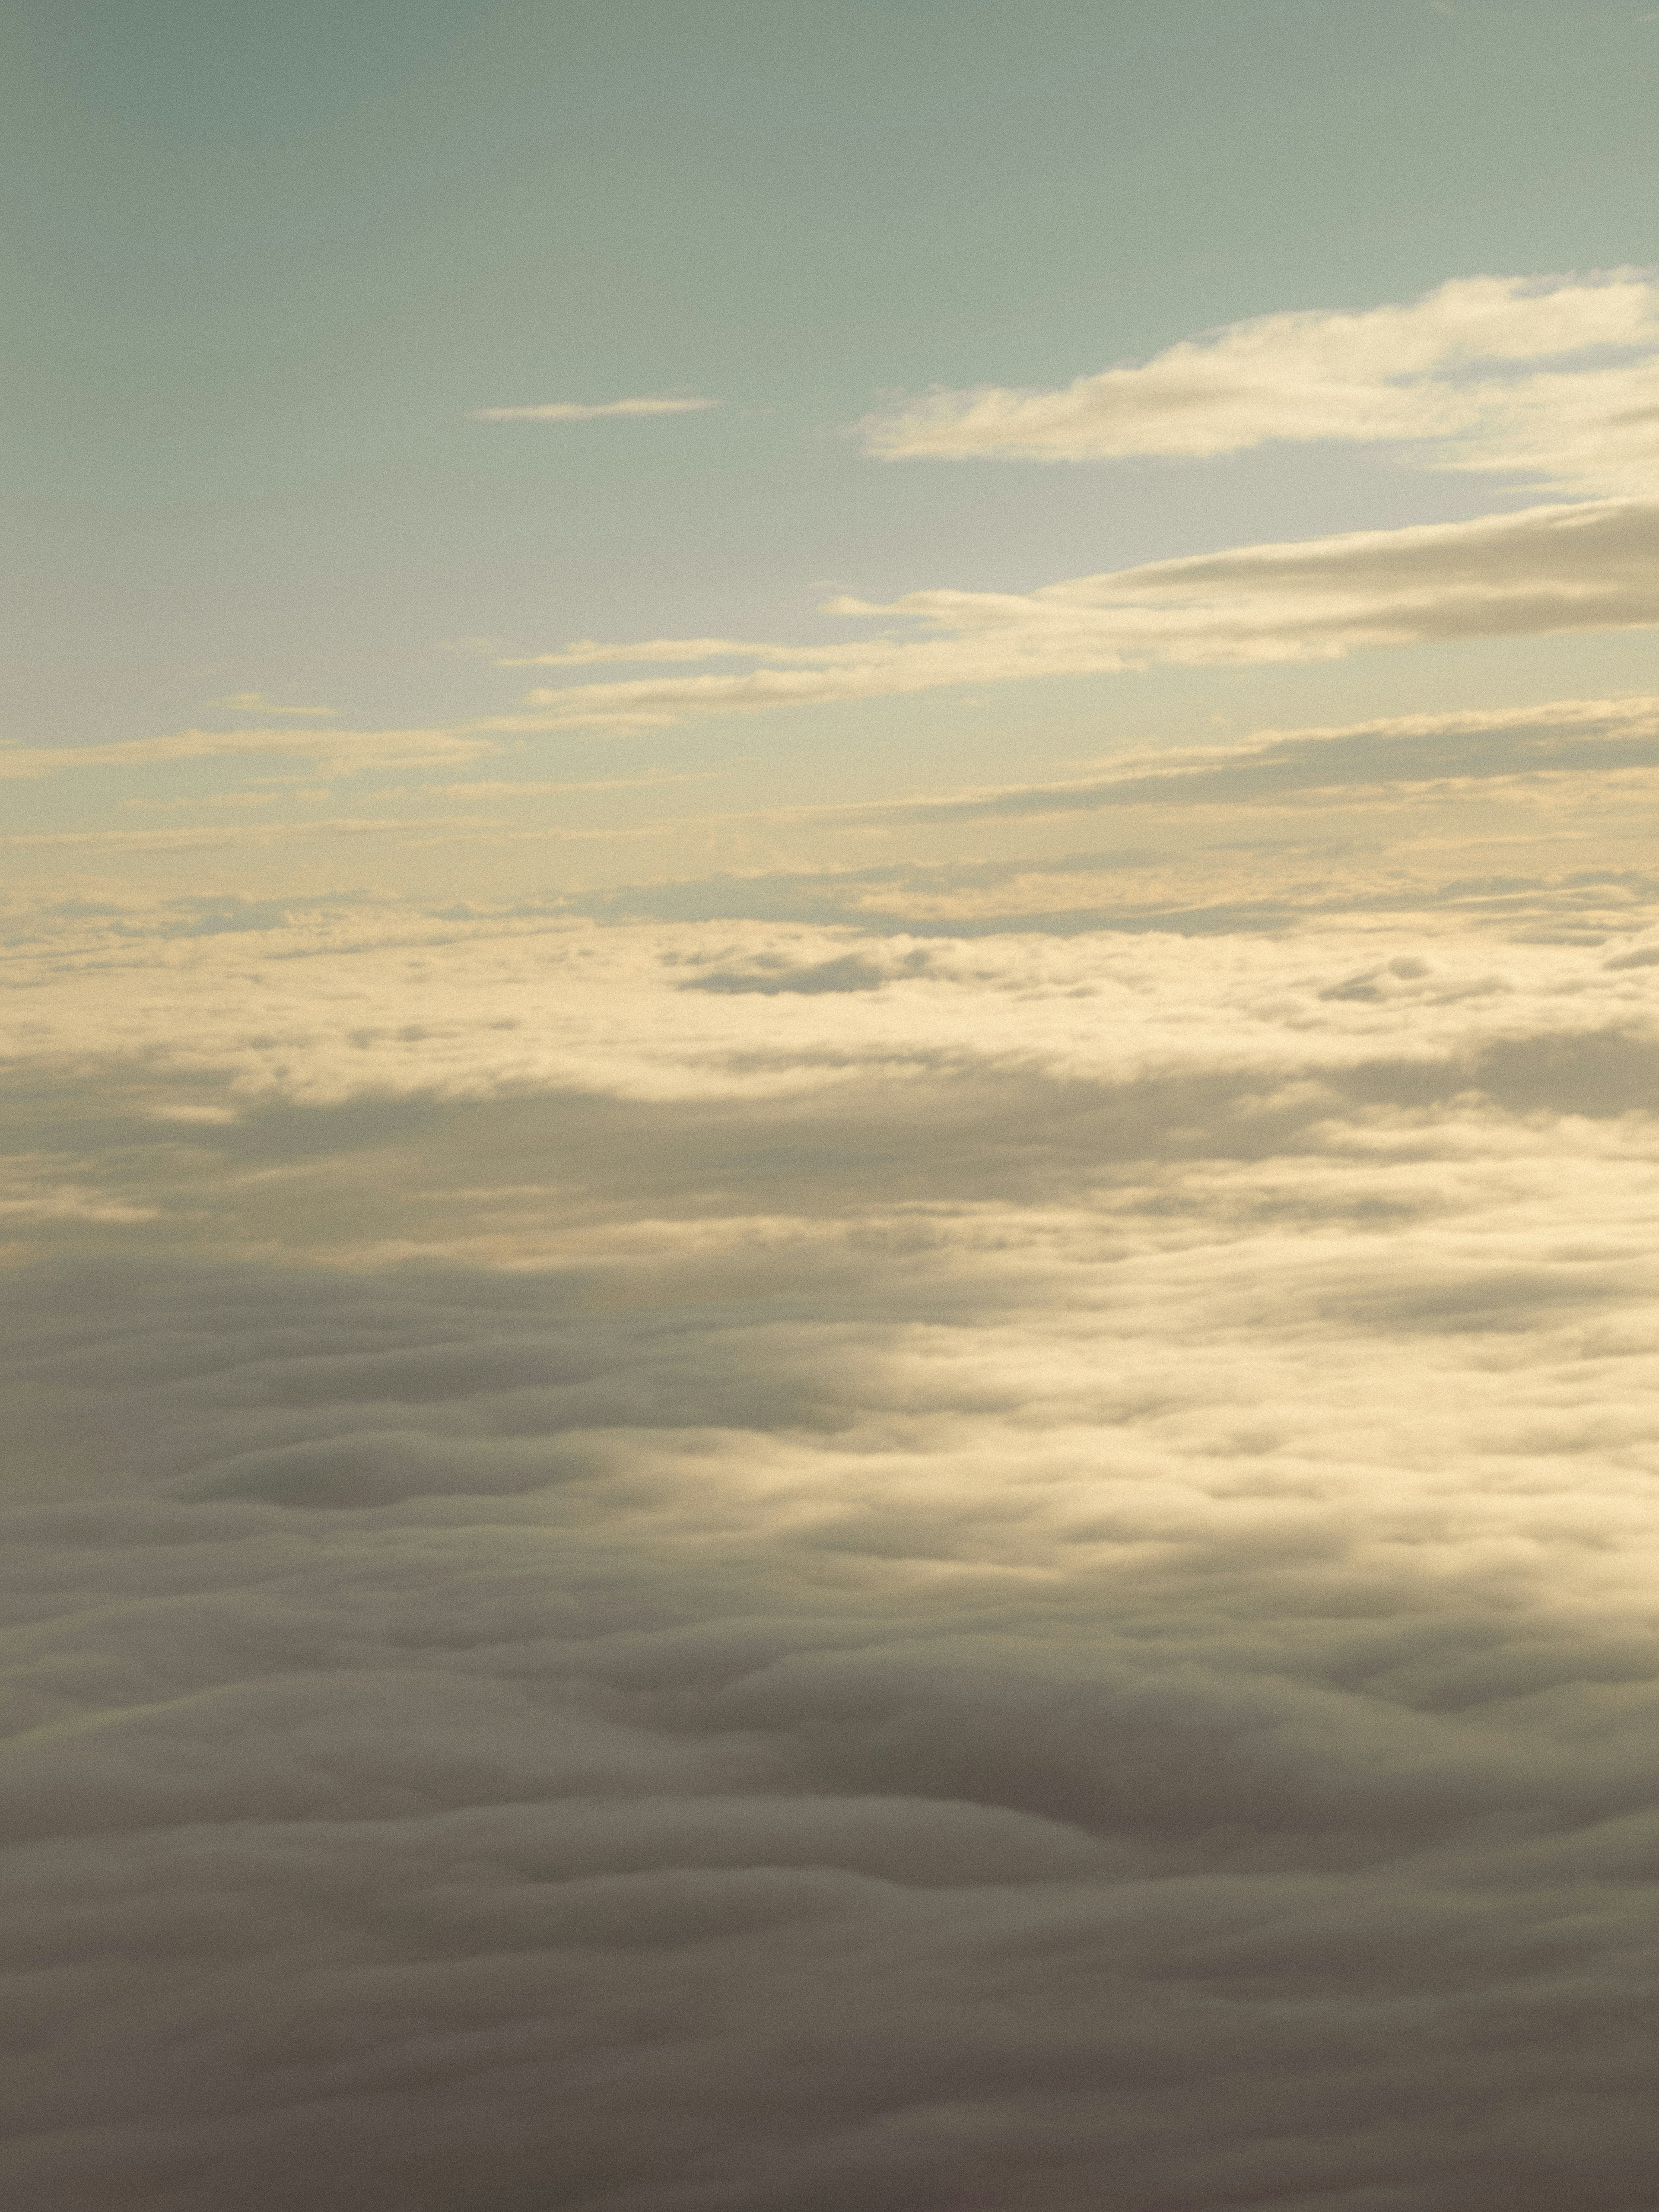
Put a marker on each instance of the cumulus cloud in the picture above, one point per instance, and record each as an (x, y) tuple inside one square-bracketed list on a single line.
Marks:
[(929, 1573), (573, 410), (1555, 378)]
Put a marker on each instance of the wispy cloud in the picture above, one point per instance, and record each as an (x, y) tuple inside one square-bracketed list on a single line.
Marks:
[(1549, 568), (1568, 737), (1589, 567), (255, 703), (576, 410), (345, 750), (1555, 379), (591, 653)]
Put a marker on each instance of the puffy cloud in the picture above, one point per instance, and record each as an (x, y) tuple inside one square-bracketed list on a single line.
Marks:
[(1552, 378)]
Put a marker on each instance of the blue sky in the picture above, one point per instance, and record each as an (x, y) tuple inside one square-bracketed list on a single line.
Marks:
[(270, 260)]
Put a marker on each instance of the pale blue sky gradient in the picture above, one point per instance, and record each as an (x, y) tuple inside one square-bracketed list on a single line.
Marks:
[(268, 262)]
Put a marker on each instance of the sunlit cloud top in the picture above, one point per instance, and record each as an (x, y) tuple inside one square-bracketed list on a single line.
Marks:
[(1553, 379)]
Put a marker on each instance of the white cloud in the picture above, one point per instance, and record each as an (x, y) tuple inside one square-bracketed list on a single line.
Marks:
[(1555, 379), (573, 410)]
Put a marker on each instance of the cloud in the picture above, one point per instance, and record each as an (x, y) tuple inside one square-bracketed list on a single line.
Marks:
[(770, 975), (699, 1557), (1592, 566), (1555, 379), (1586, 566), (346, 751), (572, 411), (1564, 738), (588, 652), (1029, 1582), (255, 703)]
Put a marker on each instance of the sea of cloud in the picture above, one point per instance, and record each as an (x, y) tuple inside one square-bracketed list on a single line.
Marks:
[(683, 1559)]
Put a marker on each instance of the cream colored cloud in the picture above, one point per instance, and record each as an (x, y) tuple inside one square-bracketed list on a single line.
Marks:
[(255, 703), (589, 653), (344, 750), (1566, 738), (1592, 566), (1586, 566), (1557, 379), (573, 410)]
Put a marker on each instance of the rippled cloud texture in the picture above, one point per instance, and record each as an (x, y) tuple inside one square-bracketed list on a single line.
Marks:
[(936, 1537)]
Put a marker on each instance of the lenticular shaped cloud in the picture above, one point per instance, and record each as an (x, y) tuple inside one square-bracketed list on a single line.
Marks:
[(1568, 738), (1586, 566), (574, 410), (1555, 378)]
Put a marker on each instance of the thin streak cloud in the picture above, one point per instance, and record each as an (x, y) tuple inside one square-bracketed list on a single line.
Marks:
[(1586, 567), (255, 703), (1589, 567), (1569, 737), (576, 410)]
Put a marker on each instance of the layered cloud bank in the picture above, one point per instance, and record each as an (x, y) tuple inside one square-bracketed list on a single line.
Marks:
[(1553, 383), (1548, 569), (729, 1564), (946, 1505)]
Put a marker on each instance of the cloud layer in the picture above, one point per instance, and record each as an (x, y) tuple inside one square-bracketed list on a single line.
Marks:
[(732, 1565), (953, 1521)]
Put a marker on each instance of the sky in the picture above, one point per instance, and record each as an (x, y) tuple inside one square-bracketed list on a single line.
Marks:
[(828, 1164)]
